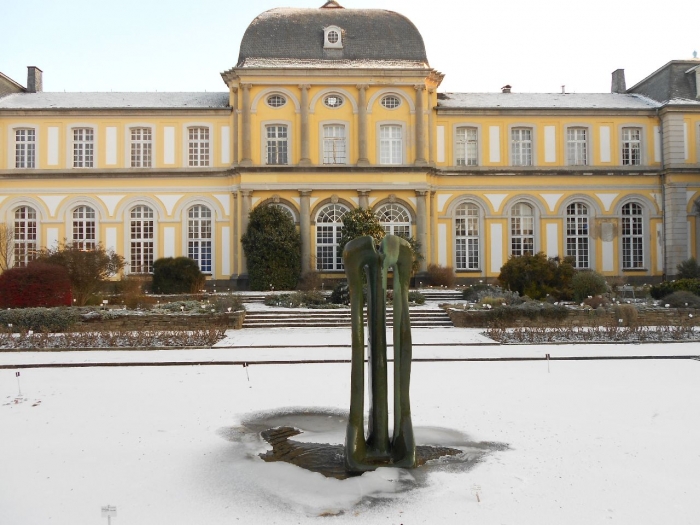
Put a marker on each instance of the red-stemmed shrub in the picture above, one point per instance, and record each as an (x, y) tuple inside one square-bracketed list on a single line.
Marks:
[(38, 284)]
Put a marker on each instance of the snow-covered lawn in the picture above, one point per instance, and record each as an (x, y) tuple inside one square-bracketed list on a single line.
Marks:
[(589, 442)]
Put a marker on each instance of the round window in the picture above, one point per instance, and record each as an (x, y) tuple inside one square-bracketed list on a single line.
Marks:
[(333, 37), (333, 101), (391, 102), (276, 101)]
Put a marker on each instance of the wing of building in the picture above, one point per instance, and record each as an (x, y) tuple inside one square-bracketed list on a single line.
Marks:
[(331, 109)]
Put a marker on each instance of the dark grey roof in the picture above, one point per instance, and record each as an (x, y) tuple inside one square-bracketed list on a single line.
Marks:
[(671, 81), (157, 100), (367, 34), (544, 101)]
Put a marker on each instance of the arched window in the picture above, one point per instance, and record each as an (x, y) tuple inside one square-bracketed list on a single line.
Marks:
[(199, 235), (84, 228), (467, 229), (329, 227), (577, 243), (632, 236), (25, 236), (141, 239), (286, 209), (395, 219), (522, 230)]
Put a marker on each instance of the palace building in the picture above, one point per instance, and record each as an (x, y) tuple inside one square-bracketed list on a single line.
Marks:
[(331, 109)]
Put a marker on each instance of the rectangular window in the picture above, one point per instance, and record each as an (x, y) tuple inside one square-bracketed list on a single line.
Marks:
[(467, 147), (631, 146), (141, 147), (198, 147), (521, 146), (334, 145), (390, 145), (25, 148), (141, 240), (277, 145), (576, 147), (83, 147)]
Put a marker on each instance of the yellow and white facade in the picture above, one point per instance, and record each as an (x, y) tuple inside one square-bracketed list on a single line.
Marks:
[(327, 110)]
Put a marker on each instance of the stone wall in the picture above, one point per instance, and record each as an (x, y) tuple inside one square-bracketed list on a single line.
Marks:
[(164, 322)]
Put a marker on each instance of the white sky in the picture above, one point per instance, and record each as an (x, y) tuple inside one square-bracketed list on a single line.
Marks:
[(148, 45)]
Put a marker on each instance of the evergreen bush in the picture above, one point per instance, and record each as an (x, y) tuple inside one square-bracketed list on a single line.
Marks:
[(177, 275), (587, 283), (38, 319), (272, 248), (538, 276), (682, 299), (689, 269), (659, 291)]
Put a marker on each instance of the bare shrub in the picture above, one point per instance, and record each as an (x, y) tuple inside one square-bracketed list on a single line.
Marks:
[(441, 275)]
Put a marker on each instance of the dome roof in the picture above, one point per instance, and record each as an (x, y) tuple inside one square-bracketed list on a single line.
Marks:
[(288, 35)]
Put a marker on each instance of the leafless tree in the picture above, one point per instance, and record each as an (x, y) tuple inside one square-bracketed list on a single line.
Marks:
[(7, 246)]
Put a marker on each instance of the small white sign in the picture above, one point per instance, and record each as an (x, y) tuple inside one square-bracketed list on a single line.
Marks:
[(109, 511)]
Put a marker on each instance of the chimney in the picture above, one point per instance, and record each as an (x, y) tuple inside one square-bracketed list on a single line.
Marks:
[(506, 88), (618, 82), (34, 81)]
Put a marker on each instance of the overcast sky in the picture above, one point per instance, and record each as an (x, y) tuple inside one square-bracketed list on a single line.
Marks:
[(178, 45)]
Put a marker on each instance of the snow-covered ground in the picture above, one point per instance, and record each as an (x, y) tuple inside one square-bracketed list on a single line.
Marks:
[(589, 441)]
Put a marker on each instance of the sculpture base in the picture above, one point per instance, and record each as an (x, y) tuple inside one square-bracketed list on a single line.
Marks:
[(329, 459)]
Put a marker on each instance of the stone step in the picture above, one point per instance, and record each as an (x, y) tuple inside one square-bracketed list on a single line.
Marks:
[(289, 318)]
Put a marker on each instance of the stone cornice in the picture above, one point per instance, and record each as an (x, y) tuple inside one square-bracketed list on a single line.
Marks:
[(544, 112), (137, 173), (115, 112)]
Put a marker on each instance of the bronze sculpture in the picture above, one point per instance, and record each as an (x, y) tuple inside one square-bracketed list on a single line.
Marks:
[(360, 258)]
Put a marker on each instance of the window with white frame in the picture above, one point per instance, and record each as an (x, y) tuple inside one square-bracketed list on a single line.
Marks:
[(84, 228), (577, 146), (141, 147), (632, 236), (522, 230), (631, 146), (141, 239), (390, 144), (334, 144), (83, 147), (198, 146), (25, 228), (467, 151), (329, 228), (521, 146), (395, 219), (277, 144), (199, 236), (467, 236), (577, 240), (25, 148)]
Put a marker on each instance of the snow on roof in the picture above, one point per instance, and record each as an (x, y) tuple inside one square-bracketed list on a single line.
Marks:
[(545, 101), (334, 64), (111, 100), (682, 102)]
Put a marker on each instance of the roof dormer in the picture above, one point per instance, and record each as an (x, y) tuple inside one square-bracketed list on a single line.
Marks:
[(332, 37)]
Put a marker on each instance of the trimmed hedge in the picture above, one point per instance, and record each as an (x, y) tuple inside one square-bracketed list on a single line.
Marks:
[(660, 291), (177, 275), (38, 284), (39, 319)]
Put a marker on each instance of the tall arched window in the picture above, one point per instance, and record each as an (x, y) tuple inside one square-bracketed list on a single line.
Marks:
[(522, 230), (395, 219), (25, 236), (577, 243), (632, 236), (329, 227), (84, 228), (467, 237), (141, 239), (199, 235)]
